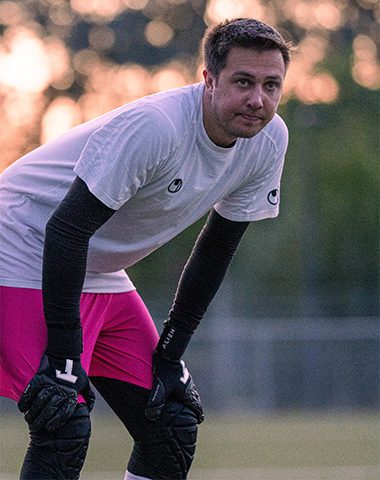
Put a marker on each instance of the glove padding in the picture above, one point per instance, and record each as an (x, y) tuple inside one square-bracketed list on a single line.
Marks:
[(51, 396), (172, 380)]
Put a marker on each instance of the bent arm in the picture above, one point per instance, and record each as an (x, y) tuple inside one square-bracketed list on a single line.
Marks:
[(68, 233), (199, 282)]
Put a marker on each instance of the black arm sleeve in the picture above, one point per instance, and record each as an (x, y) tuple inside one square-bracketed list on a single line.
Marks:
[(68, 233), (199, 282)]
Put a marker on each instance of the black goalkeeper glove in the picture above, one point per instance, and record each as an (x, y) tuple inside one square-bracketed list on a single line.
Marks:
[(51, 396), (172, 380)]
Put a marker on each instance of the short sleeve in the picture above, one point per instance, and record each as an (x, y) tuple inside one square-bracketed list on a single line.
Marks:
[(122, 155), (258, 197)]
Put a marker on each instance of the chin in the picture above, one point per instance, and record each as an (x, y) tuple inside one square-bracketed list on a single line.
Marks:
[(248, 133)]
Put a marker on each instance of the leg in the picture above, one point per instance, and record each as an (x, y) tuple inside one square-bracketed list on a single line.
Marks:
[(22, 343), (128, 337), (22, 338), (59, 455), (121, 370), (163, 450)]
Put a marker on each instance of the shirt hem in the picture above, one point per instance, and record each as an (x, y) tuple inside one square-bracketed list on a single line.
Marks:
[(86, 289), (248, 218)]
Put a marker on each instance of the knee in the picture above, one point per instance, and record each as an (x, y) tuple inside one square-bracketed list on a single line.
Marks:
[(60, 454), (166, 448)]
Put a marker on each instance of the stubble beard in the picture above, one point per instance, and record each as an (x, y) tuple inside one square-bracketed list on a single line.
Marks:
[(235, 131)]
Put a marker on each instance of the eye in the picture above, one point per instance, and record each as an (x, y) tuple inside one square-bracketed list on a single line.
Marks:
[(272, 85), (243, 82)]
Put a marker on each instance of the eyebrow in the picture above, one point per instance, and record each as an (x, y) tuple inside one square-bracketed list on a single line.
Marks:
[(242, 73)]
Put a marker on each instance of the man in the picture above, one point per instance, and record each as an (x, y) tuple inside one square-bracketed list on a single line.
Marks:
[(109, 192)]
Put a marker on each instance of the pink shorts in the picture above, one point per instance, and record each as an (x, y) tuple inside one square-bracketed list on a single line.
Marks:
[(119, 337)]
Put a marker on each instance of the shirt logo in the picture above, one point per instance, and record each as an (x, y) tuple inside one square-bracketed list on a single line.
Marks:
[(175, 186), (273, 197)]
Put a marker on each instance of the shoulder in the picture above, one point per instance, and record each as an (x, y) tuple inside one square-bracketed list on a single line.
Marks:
[(178, 107), (185, 98), (276, 133), (163, 114)]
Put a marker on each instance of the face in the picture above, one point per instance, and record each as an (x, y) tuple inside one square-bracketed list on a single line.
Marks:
[(244, 97)]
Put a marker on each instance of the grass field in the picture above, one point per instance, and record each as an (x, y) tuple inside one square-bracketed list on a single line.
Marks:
[(281, 447)]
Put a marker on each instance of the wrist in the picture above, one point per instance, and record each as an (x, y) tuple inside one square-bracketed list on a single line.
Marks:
[(64, 342), (173, 342)]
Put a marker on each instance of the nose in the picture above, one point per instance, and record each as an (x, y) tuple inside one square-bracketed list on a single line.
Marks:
[(256, 97)]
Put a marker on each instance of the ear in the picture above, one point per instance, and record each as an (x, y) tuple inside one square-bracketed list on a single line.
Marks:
[(209, 79)]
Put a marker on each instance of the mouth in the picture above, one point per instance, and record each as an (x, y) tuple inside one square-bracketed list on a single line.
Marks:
[(252, 118)]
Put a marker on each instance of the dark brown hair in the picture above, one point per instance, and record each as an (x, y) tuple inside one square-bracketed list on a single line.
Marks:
[(240, 32)]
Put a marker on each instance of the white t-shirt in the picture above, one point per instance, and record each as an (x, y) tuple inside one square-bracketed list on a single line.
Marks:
[(152, 161)]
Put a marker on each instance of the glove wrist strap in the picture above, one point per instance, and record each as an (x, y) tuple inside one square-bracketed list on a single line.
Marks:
[(64, 342)]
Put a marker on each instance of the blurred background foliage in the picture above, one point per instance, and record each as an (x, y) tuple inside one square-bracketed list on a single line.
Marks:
[(65, 62)]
